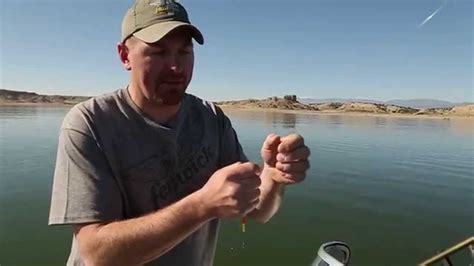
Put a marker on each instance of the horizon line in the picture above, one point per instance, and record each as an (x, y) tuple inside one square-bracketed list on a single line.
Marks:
[(260, 98)]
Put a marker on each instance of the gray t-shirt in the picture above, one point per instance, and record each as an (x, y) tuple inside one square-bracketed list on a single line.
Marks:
[(115, 163)]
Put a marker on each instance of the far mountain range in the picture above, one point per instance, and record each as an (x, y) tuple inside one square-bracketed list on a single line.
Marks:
[(413, 103), (11, 96)]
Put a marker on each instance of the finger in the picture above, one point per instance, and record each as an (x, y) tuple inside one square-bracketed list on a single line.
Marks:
[(251, 195), (301, 153), (243, 170), (249, 183), (270, 149), (300, 166), (249, 167), (291, 178), (271, 142), (250, 207), (290, 143)]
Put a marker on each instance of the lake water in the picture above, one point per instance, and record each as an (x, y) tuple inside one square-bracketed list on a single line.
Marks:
[(397, 190)]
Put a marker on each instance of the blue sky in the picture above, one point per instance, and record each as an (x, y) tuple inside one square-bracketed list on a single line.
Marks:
[(312, 48)]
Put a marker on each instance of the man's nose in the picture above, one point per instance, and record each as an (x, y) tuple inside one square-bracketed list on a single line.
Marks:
[(175, 64)]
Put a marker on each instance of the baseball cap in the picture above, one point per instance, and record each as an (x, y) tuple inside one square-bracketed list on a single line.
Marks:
[(151, 20)]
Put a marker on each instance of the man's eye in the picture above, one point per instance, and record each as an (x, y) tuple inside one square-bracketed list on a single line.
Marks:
[(157, 52)]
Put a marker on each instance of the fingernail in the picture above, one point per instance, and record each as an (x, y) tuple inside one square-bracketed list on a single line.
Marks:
[(280, 157)]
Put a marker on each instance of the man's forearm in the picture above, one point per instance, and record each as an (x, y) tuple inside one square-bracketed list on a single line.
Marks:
[(139, 240), (271, 196)]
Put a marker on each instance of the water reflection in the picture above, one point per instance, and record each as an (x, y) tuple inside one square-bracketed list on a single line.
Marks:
[(367, 128), (393, 175), (462, 127), (21, 112), (269, 118), (285, 120)]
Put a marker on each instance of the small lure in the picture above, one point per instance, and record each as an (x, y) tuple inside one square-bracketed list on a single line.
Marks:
[(243, 222)]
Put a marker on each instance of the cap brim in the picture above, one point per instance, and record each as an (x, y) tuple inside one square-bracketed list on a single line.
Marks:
[(157, 31)]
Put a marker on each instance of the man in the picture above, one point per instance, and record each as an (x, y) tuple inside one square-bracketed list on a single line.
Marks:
[(145, 173)]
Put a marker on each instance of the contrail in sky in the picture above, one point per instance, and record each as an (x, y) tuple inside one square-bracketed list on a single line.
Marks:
[(433, 14)]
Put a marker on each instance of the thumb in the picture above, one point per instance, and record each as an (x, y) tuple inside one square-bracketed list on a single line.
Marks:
[(270, 149)]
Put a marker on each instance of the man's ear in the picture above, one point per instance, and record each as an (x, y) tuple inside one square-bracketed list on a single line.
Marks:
[(123, 55)]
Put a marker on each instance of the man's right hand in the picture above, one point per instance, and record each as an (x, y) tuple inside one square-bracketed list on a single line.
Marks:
[(232, 191)]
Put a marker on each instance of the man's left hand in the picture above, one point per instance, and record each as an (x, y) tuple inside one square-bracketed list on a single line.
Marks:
[(287, 156)]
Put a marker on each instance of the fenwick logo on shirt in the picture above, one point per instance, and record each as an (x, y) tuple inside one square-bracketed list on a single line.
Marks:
[(172, 187)]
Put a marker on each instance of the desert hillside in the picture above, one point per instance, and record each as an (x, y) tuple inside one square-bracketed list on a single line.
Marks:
[(290, 102), (286, 103), (464, 110), (23, 97)]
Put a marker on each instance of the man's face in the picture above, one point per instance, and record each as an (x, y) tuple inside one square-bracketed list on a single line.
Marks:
[(162, 71)]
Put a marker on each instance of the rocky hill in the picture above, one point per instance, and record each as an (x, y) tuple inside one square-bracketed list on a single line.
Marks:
[(291, 103), (464, 110), (376, 108), (413, 103), (23, 97), (288, 102)]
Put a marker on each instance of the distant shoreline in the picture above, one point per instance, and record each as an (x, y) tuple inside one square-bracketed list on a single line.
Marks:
[(229, 108), (23, 98), (29, 104), (287, 104)]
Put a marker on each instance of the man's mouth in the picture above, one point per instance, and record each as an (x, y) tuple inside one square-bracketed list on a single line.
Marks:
[(173, 81)]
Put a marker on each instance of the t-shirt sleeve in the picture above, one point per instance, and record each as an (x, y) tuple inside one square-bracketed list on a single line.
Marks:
[(230, 148), (84, 189)]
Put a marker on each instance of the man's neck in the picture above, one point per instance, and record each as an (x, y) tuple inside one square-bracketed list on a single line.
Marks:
[(158, 112)]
